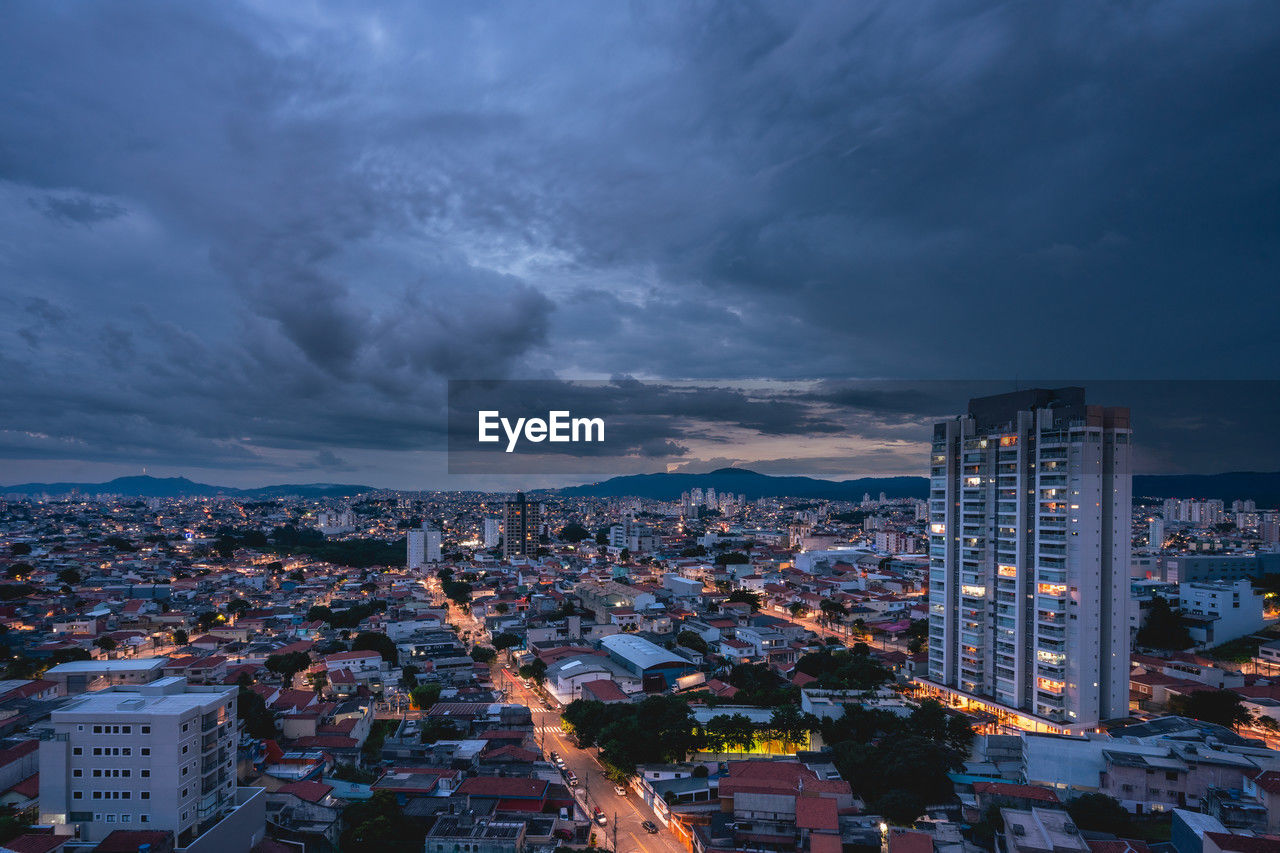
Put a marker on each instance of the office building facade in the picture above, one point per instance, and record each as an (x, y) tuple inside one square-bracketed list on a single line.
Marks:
[(1029, 548)]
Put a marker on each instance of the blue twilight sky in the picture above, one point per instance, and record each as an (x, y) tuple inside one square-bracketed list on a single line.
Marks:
[(249, 242)]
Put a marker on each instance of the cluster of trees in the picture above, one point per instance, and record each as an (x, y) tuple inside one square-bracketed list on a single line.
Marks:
[(378, 825), (252, 710), (1165, 628), (459, 592), (899, 764), (535, 670), (662, 728), (288, 665), (690, 640), (505, 640), (659, 728), (349, 618), (357, 553), (574, 532), (917, 635), (737, 732), (1222, 707), (840, 669), (424, 696), (746, 596)]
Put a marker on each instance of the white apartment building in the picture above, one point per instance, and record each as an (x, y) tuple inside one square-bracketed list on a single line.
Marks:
[(1220, 611), (156, 756), (1195, 512), (492, 532), (416, 549), (432, 548), (1029, 559)]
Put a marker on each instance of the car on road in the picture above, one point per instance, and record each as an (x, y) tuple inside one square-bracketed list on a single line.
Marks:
[(619, 790), (571, 778), (649, 827), (599, 817)]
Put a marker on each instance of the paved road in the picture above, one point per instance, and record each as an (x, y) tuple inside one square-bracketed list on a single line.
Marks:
[(598, 790)]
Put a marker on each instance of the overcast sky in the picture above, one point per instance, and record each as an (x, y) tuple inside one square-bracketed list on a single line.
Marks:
[(249, 242)]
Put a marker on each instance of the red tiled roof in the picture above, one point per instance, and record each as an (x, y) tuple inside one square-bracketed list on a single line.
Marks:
[(312, 792), (13, 753), (776, 777), (341, 656), (1118, 845), (1227, 841), (814, 812), (909, 841), (28, 787), (604, 690), (503, 787), (822, 842), (129, 840), (36, 842), (325, 742), (1008, 789), (1268, 781)]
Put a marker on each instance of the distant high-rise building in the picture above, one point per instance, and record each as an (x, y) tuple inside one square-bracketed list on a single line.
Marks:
[(522, 523), (1195, 512), (695, 497), (1029, 558), (1244, 506), (157, 756), (416, 549), (492, 532), (711, 500), (1155, 532), (432, 550), (1269, 529)]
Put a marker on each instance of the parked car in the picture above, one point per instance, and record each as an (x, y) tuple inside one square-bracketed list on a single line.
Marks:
[(619, 790), (649, 827), (599, 817)]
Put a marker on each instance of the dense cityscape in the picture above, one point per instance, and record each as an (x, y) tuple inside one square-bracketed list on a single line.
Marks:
[(583, 426), (1031, 658)]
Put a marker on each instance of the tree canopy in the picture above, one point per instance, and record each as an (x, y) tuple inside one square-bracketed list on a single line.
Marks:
[(1165, 628), (373, 641), (289, 664), (1213, 706)]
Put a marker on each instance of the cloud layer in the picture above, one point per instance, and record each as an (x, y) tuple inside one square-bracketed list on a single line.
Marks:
[(258, 238)]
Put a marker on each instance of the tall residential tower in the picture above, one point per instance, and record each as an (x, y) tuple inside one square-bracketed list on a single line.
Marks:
[(1029, 545), (521, 527)]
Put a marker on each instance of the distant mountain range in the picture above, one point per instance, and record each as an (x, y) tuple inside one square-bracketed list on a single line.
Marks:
[(181, 487), (1261, 487)]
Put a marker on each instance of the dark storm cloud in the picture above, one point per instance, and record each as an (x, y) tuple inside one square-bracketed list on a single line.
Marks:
[(256, 235)]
